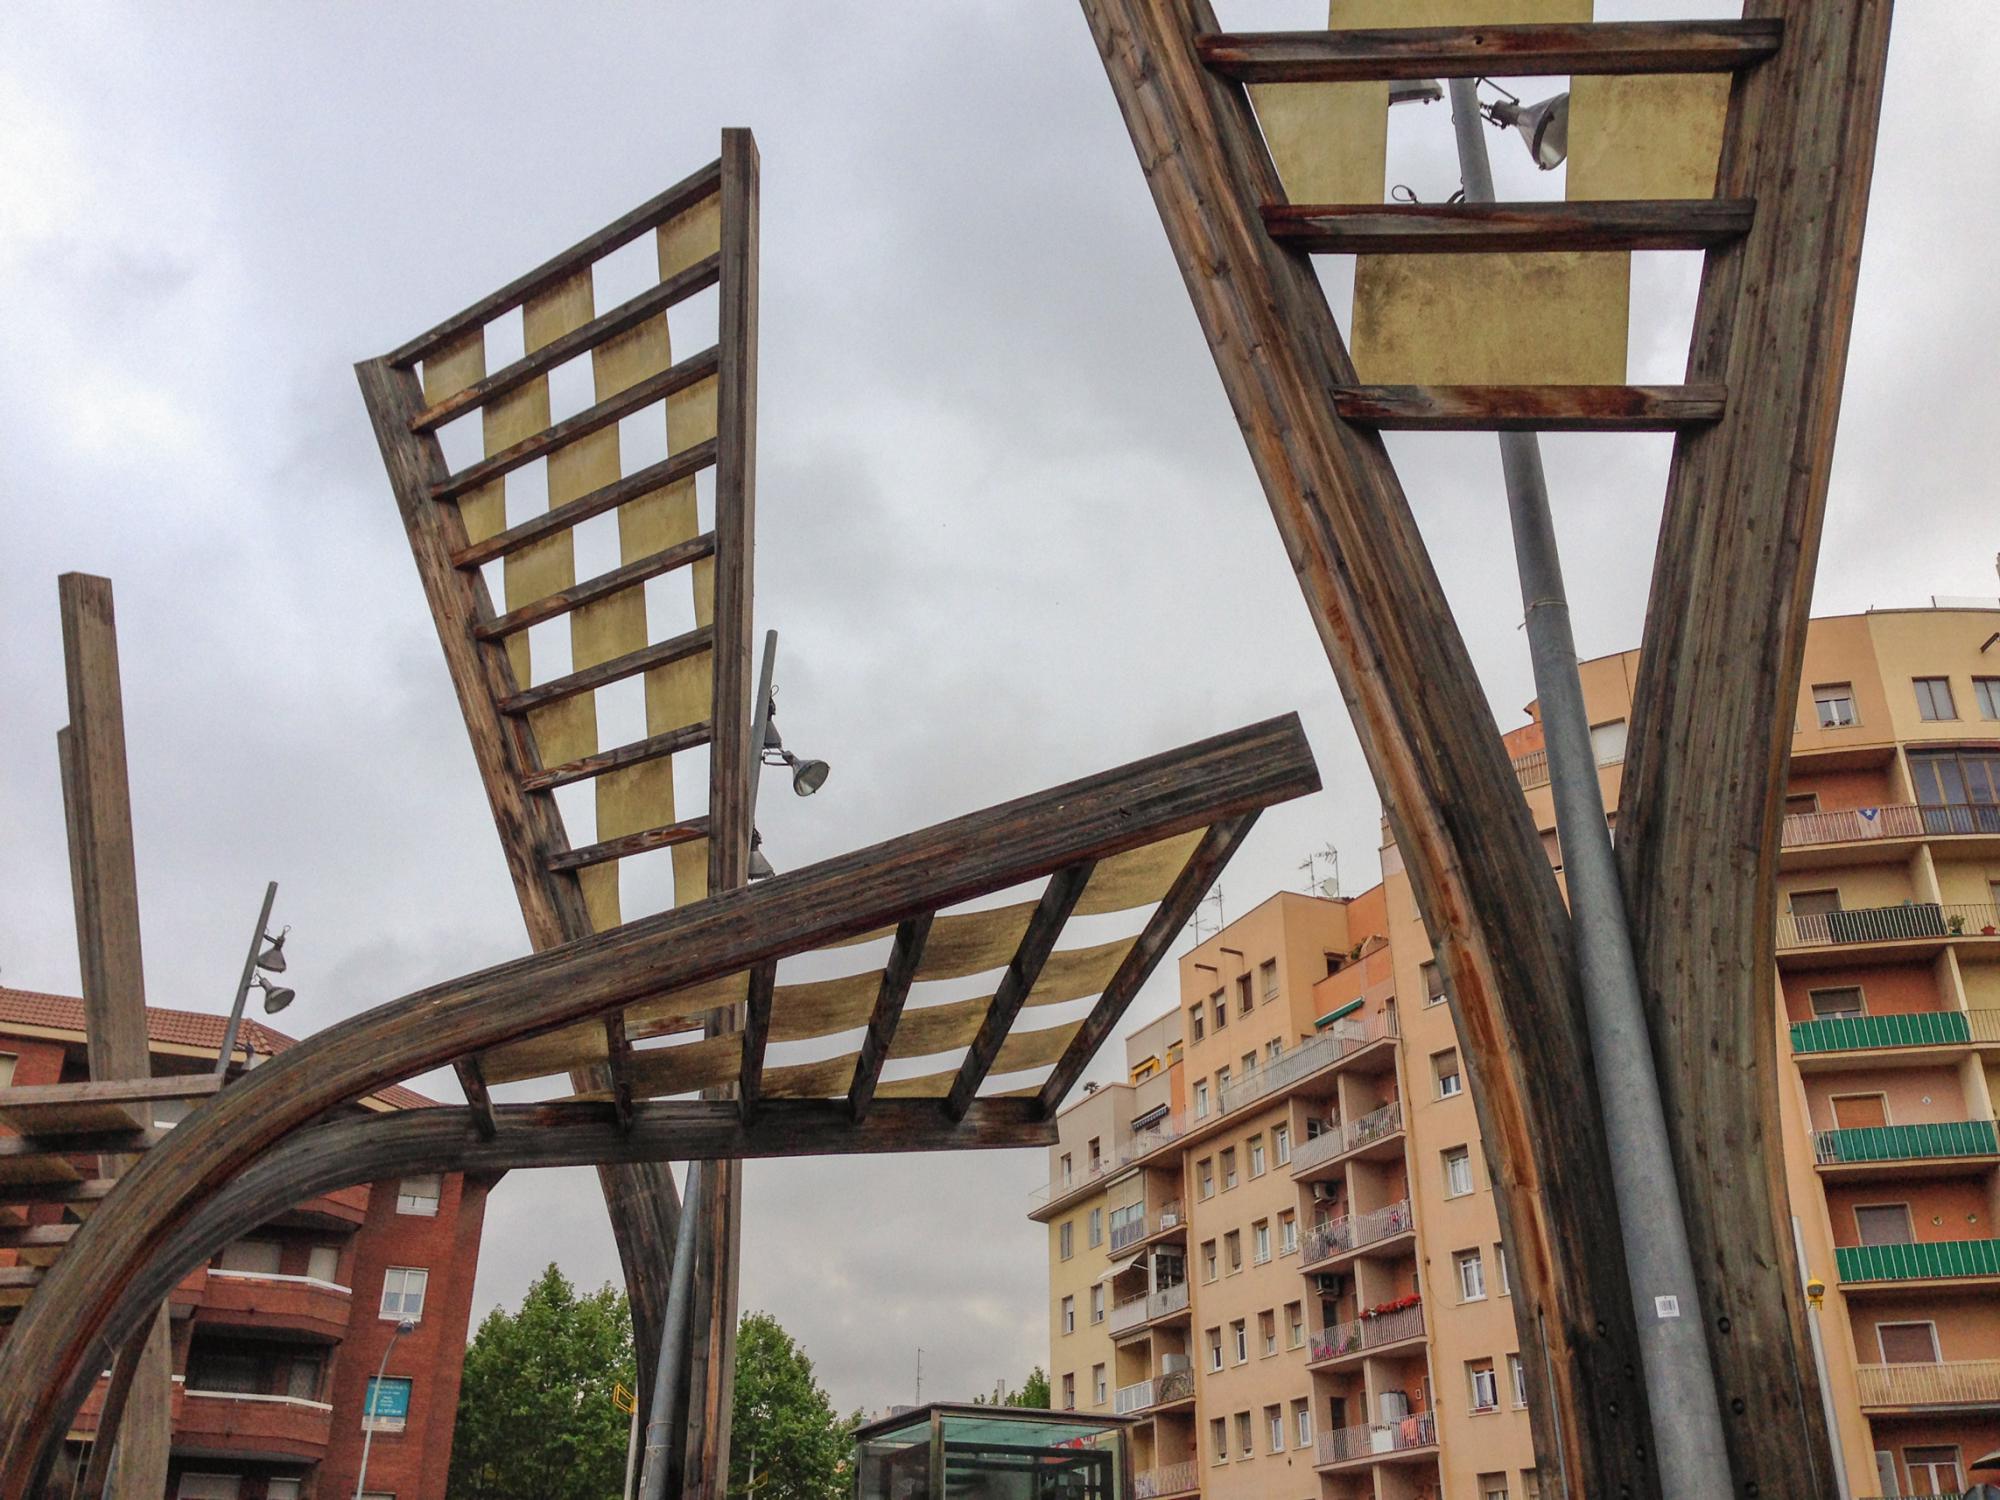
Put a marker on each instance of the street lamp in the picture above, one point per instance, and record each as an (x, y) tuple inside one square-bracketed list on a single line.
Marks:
[(266, 953), (374, 1400)]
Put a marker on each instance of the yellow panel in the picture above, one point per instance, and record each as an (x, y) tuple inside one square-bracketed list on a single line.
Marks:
[(679, 1010), (1138, 877), (823, 1007), (1548, 319), (1072, 973), (1646, 136), (690, 236), (685, 1068), (939, 1028), (552, 1052), (1327, 140), (1021, 1052), (455, 366), (971, 942), (813, 1080)]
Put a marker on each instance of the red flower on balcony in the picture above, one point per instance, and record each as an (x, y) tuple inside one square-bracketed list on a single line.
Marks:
[(1400, 1304)]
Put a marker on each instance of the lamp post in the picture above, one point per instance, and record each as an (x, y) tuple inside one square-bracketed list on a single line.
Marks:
[(374, 1399), (266, 952), (1673, 1338)]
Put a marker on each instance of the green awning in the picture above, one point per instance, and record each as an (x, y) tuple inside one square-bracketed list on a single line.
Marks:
[(1334, 1015)]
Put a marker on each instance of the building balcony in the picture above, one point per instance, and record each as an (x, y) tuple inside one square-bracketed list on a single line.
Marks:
[(1332, 1240), (247, 1426), (1360, 1337), (1873, 826), (257, 1299), (1162, 1390), (1169, 1222), (1895, 1150), (1157, 1307), (1375, 1136), (1055, 1194), (1827, 1044), (1412, 1435), (1937, 1260), (1914, 929), (1183, 1478), (1953, 1385)]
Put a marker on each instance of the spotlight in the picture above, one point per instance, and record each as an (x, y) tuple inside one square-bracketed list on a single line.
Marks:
[(1544, 126), (272, 959), (276, 996), (808, 776)]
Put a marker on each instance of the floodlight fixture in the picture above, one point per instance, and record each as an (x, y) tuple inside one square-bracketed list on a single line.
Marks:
[(1544, 127), (272, 959), (1415, 91), (276, 996)]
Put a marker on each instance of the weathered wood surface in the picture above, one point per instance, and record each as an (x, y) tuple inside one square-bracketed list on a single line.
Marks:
[(604, 673), (53, 1108), (906, 952), (1530, 408), (1713, 705), (1515, 51), (1484, 228), (651, 748), (596, 502), (664, 837), (562, 601), (1031, 838), (1475, 861)]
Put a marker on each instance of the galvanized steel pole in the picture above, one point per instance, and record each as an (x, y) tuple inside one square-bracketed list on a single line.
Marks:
[(1688, 1438), (673, 1345)]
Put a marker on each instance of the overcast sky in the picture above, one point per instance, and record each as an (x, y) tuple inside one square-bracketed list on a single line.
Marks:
[(1007, 527)]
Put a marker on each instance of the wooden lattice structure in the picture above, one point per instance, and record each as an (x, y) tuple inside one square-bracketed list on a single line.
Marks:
[(1720, 661)]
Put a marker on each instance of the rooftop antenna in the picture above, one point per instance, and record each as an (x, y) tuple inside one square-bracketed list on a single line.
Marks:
[(1329, 885), (1199, 923)]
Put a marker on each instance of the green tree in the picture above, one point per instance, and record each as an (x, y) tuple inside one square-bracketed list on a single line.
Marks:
[(1035, 1393), (535, 1415), (783, 1423)]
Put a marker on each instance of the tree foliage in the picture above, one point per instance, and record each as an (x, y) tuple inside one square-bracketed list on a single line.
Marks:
[(1034, 1392), (535, 1415), (786, 1443)]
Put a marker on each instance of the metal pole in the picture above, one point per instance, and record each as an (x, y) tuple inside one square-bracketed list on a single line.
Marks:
[(374, 1391), (673, 1345), (1840, 1480), (632, 1446), (1673, 1335), (257, 940)]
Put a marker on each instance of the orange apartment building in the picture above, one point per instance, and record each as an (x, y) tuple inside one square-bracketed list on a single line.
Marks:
[(1277, 1245), (277, 1342)]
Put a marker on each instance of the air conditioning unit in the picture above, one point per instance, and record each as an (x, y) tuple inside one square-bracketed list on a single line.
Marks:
[(1174, 1364), (1326, 1284), (1395, 1406), (1325, 1192)]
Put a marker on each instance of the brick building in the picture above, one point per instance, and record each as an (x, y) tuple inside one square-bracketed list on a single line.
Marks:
[(277, 1341)]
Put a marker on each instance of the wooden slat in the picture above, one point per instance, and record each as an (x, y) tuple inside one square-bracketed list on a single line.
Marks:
[(113, 1104), (1052, 912), (905, 954), (650, 748), (1519, 51), (601, 587), (1201, 871), (472, 1079), (1529, 408), (1479, 228), (621, 231), (635, 397), (78, 1190), (618, 1062), (756, 1035), (663, 837), (621, 319), (607, 497), (35, 1236), (607, 672), (16, 1150)]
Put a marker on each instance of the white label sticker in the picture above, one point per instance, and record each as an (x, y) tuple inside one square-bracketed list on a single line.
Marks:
[(1667, 1307)]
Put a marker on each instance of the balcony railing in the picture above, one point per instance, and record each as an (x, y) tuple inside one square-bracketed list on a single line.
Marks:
[(1175, 1385), (1946, 1138), (1062, 1187), (1130, 1314), (1168, 1479), (1345, 1444), (1361, 1334), (1919, 1028), (1309, 1056), (1376, 1125), (1135, 1230), (1938, 1260), (1172, 1128), (1130, 1398), (1899, 820), (1331, 1237), (1962, 1382), (1912, 921)]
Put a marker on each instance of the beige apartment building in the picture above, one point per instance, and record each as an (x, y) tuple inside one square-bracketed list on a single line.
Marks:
[(1277, 1245)]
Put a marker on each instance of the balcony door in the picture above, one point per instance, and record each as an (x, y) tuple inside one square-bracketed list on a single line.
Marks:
[(1884, 1224), (1907, 1343), (1811, 913), (1934, 1471), (1860, 1111)]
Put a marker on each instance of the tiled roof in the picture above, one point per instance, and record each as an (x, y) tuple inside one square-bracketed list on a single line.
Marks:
[(178, 1028)]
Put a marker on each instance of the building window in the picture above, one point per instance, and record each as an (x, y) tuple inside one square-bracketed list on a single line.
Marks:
[(1834, 702), (251, 1257), (1208, 1261), (1066, 1239), (1500, 1270), (1281, 1144), (1096, 1231), (1492, 1487), (1222, 1088), (1433, 981), (1204, 1176), (1934, 1470), (1218, 1440), (403, 1293), (1267, 974), (385, 1407), (1097, 1303), (1934, 699), (1069, 1391), (1069, 1315), (1096, 1155), (1249, 1066), (1519, 1373), (1986, 691), (1842, 1000), (210, 1487), (1302, 1424), (1471, 1275), (1256, 1156), (7, 1062), (1201, 1100), (1228, 1168), (1295, 1324), (1274, 1427), (1196, 1029), (1883, 1223), (1244, 1001), (1908, 1343), (323, 1264), (1444, 1073), (1243, 1434), (1239, 1341), (1799, 803), (281, 1489), (1288, 1232), (1214, 1349), (418, 1195), (1260, 1241), (1267, 1331), (1232, 1246), (1457, 1172), (1099, 1391), (1064, 1174), (1607, 742), (1218, 1009), (1484, 1386)]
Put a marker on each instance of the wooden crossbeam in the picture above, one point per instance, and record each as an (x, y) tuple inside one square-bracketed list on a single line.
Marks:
[(596, 502), (618, 1062), (659, 654), (51, 1108), (1193, 882), (27, 1148), (623, 318), (1476, 228), (1498, 51), (663, 837), (1529, 408), (756, 1036), (1052, 913), (635, 397), (621, 231), (651, 748), (472, 1079), (77, 1190), (35, 1236), (905, 954), (601, 587)]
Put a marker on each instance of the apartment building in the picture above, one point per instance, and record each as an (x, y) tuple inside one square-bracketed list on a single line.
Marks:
[(278, 1341), (1312, 1296)]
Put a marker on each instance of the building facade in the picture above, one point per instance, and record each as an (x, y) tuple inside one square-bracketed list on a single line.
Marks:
[(1319, 1305), (278, 1340)]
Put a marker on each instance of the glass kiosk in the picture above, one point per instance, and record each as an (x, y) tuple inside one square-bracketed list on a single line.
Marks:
[(946, 1452)]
